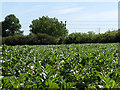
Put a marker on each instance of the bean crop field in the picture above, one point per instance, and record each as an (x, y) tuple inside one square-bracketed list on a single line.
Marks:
[(61, 66)]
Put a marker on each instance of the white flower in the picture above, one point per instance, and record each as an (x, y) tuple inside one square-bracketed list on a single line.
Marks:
[(1, 77), (32, 67), (100, 86)]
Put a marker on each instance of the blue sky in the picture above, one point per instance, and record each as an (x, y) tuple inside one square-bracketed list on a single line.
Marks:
[(80, 16)]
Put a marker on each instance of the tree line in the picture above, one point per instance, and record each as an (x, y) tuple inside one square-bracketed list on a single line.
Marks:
[(45, 30)]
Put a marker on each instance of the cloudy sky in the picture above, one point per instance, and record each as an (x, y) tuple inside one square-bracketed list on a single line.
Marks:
[(90, 15)]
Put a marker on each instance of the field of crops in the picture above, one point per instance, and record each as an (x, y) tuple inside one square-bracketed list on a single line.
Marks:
[(61, 66)]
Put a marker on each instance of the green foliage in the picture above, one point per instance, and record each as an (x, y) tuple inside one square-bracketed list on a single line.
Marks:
[(91, 37), (117, 36), (50, 26), (79, 38), (11, 26), (61, 66), (0, 40), (45, 39), (14, 40), (47, 30), (40, 39), (32, 39)]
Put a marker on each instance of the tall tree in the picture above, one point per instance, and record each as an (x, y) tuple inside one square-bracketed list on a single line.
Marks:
[(50, 26), (11, 26)]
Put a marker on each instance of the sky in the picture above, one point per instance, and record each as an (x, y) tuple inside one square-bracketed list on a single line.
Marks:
[(90, 15)]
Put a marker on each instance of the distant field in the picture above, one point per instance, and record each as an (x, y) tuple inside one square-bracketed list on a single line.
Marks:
[(61, 66)]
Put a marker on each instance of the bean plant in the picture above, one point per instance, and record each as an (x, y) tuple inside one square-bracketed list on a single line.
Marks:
[(73, 66)]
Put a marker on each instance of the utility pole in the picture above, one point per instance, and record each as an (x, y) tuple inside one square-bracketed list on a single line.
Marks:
[(61, 22), (65, 24)]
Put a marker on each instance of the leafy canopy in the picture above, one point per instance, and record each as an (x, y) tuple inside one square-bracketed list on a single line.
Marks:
[(11, 26), (50, 26)]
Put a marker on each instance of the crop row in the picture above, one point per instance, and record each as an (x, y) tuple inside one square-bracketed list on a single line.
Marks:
[(61, 66)]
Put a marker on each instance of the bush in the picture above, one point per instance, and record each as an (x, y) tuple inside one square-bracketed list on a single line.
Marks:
[(45, 39), (32, 39), (14, 40), (91, 37), (40, 39), (117, 36), (78, 38)]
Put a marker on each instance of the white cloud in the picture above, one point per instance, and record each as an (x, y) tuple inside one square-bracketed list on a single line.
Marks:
[(99, 16), (106, 15), (68, 10)]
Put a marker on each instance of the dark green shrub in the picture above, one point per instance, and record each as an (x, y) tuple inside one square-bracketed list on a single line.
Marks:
[(32, 39), (14, 40)]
